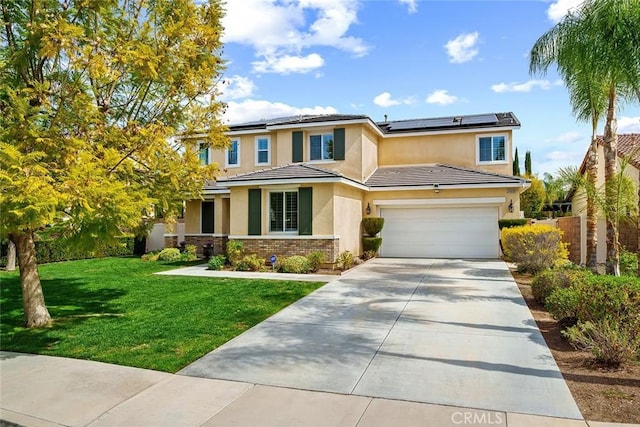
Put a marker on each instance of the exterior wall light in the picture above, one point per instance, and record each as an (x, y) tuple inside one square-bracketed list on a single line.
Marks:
[(511, 205), (368, 209)]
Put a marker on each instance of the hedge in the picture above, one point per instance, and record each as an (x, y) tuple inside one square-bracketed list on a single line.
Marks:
[(55, 250)]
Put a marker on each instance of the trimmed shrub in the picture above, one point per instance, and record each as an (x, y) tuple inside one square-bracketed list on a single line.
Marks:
[(170, 254), (372, 225), (508, 223), (344, 261), (534, 247), (371, 243), (150, 256), (563, 303), (316, 259), (217, 262), (545, 282), (368, 255), (250, 263), (294, 264), (611, 297), (235, 251)]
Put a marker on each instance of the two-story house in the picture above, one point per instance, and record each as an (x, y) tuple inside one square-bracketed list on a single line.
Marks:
[(298, 184)]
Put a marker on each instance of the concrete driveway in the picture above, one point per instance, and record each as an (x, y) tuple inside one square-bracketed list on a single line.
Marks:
[(451, 332)]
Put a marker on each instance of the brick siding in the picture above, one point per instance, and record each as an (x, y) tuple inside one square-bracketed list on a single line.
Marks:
[(219, 243), (264, 248), (571, 235)]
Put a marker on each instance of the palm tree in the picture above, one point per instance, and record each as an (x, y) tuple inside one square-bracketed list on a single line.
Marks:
[(596, 51)]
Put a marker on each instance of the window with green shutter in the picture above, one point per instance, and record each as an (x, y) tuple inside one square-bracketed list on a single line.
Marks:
[(296, 146)]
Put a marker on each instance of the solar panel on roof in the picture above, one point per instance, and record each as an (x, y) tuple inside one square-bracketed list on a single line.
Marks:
[(480, 119)]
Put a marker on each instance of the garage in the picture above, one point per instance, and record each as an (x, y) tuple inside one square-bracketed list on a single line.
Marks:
[(440, 232)]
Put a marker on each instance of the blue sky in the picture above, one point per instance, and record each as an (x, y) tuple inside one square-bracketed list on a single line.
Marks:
[(406, 59)]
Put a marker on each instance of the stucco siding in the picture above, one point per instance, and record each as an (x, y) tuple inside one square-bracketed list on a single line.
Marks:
[(456, 149), (348, 215), (192, 217)]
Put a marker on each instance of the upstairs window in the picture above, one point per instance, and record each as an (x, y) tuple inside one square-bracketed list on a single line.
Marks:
[(492, 149), (283, 211), (233, 154), (321, 147), (203, 153), (263, 156)]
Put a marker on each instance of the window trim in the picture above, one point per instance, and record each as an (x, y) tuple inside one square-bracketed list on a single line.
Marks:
[(321, 135), (226, 154), (492, 162), (268, 138), (200, 148), (283, 190)]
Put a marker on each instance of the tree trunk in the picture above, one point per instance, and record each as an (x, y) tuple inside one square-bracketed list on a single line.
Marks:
[(638, 228), (610, 170), (592, 211), (35, 310), (11, 256)]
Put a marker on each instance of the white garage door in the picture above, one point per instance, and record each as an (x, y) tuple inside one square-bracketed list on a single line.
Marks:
[(461, 232)]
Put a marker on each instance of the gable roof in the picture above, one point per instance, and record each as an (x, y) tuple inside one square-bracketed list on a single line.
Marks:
[(422, 125), (399, 177)]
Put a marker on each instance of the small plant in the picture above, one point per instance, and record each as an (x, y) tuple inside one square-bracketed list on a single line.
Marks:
[(371, 244), (235, 251), (610, 342), (250, 263), (372, 225), (217, 262), (563, 303), (294, 264), (534, 247), (150, 256), (170, 254), (190, 253), (344, 261), (368, 255), (316, 259)]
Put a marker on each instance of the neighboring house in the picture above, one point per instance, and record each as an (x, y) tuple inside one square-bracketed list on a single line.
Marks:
[(298, 184), (628, 152)]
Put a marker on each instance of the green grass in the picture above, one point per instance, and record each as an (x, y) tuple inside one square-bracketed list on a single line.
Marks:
[(116, 310)]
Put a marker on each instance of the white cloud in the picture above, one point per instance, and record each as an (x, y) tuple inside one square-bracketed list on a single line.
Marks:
[(248, 110), (567, 138), (284, 29), (554, 160), (462, 48), (442, 97), (559, 9), (524, 87), (629, 124), (386, 100), (412, 5), (287, 64), (236, 87)]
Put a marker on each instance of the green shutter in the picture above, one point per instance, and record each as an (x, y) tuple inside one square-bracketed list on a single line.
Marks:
[(255, 212), (296, 146), (338, 144), (305, 211), (207, 217)]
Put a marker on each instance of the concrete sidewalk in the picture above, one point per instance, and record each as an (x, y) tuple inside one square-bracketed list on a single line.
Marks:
[(52, 391)]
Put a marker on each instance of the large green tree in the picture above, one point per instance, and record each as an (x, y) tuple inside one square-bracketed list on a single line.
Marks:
[(596, 51), (92, 95)]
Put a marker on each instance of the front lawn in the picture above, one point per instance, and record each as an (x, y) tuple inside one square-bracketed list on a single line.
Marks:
[(116, 310)]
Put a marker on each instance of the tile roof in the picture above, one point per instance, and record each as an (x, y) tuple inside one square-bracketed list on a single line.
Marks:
[(443, 175), (292, 172), (628, 146)]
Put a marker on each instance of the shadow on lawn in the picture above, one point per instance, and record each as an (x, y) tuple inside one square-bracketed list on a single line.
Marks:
[(69, 302)]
